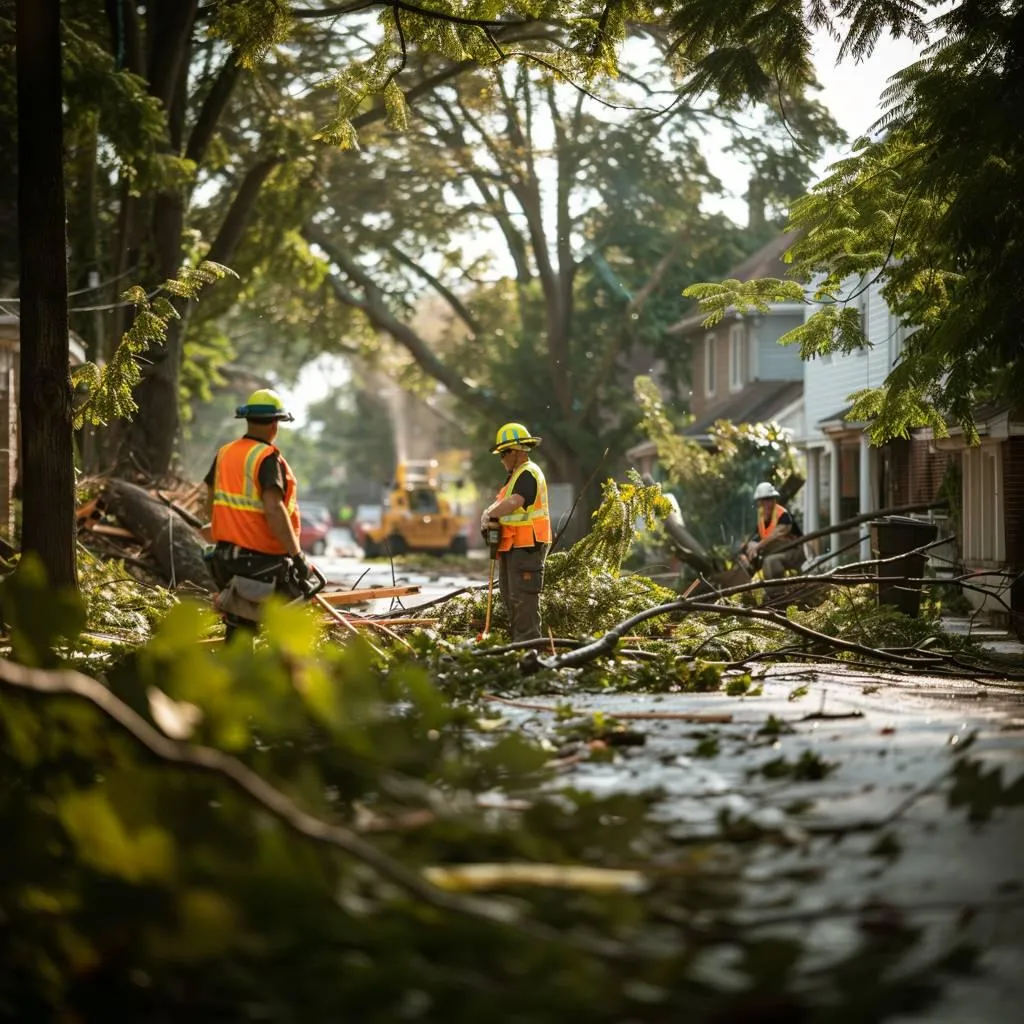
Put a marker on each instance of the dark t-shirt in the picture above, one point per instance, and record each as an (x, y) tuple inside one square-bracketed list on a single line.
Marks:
[(526, 487), (270, 473), (785, 520)]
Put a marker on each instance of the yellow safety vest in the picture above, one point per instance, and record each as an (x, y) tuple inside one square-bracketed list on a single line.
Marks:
[(526, 526)]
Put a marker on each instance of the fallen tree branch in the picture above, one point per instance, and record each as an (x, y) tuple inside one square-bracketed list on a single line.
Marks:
[(607, 643), (444, 597), (639, 716), (849, 524)]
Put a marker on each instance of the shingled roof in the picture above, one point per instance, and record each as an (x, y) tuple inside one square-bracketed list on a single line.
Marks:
[(766, 262)]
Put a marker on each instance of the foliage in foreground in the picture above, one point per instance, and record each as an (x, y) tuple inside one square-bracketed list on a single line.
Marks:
[(157, 890)]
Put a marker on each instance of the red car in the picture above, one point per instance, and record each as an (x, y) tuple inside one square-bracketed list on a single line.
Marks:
[(313, 534)]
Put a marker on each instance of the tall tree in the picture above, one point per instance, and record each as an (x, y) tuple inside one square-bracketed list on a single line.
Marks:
[(587, 218), (46, 463)]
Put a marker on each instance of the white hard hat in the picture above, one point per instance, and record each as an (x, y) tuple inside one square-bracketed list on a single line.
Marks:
[(765, 490)]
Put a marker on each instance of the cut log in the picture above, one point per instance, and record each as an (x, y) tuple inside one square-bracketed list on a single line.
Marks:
[(110, 531), (176, 548)]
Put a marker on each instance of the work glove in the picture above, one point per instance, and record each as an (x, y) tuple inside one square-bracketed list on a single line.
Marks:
[(303, 570)]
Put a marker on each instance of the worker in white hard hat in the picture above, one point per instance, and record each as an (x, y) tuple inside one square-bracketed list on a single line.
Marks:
[(776, 531), (254, 509), (521, 510)]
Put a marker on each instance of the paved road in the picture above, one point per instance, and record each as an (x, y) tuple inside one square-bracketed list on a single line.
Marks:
[(877, 838), (909, 854)]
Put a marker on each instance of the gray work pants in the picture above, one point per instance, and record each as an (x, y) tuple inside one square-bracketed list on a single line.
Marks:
[(774, 566), (521, 580)]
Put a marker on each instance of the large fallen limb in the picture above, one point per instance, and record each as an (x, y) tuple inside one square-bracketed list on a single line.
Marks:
[(849, 524), (176, 548), (607, 643), (690, 550)]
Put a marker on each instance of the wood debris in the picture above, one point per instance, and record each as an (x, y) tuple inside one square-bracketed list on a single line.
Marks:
[(153, 529)]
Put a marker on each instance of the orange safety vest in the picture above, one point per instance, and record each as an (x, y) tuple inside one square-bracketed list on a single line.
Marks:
[(763, 528), (526, 526), (238, 516)]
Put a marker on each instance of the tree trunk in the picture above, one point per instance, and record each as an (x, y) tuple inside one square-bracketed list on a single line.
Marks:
[(47, 465), (149, 440), (175, 546)]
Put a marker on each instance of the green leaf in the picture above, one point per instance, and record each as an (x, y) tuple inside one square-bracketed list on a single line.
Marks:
[(39, 617), (394, 103), (105, 843)]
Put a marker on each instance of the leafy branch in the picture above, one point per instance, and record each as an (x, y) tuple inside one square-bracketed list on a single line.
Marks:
[(109, 388)]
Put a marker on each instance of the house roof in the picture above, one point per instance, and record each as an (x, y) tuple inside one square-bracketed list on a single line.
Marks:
[(984, 416), (761, 401), (765, 262)]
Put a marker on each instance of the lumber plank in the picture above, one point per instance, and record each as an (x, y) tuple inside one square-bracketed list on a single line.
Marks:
[(336, 597)]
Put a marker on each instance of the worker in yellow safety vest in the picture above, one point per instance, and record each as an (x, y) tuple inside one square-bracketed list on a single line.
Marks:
[(521, 511), (776, 532), (254, 521)]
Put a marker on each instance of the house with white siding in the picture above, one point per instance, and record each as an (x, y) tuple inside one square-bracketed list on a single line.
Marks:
[(847, 476)]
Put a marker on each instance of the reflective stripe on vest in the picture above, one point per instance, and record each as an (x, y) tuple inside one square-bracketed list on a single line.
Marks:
[(526, 526), (763, 529), (238, 516)]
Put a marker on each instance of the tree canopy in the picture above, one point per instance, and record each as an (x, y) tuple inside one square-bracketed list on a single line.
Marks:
[(931, 207)]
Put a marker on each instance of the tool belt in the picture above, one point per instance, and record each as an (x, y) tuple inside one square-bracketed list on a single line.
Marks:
[(248, 578)]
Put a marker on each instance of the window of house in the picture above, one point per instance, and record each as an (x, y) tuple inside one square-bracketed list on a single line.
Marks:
[(709, 366), (864, 309), (896, 336), (737, 357)]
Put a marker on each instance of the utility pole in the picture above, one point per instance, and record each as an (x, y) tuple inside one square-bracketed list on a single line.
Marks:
[(46, 442)]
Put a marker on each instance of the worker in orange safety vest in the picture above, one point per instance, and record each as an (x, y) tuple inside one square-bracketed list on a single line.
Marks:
[(776, 532), (521, 511), (254, 516)]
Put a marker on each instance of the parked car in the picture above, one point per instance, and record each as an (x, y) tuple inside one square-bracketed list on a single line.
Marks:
[(313, 533), (367, 517), (316, 512)]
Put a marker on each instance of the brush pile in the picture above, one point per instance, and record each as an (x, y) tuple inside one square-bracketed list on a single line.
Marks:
[(153, 530)]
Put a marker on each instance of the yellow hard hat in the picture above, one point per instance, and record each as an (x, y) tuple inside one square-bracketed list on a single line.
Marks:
[(513, 435), (264, 404)]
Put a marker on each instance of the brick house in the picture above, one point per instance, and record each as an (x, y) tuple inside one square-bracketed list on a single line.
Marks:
[(991, 514), (739, 372)]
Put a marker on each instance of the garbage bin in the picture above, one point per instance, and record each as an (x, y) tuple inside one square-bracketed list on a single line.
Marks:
[(898, 535)]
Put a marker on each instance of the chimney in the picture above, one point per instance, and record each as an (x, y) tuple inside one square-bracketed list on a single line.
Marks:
[(755, 205)]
